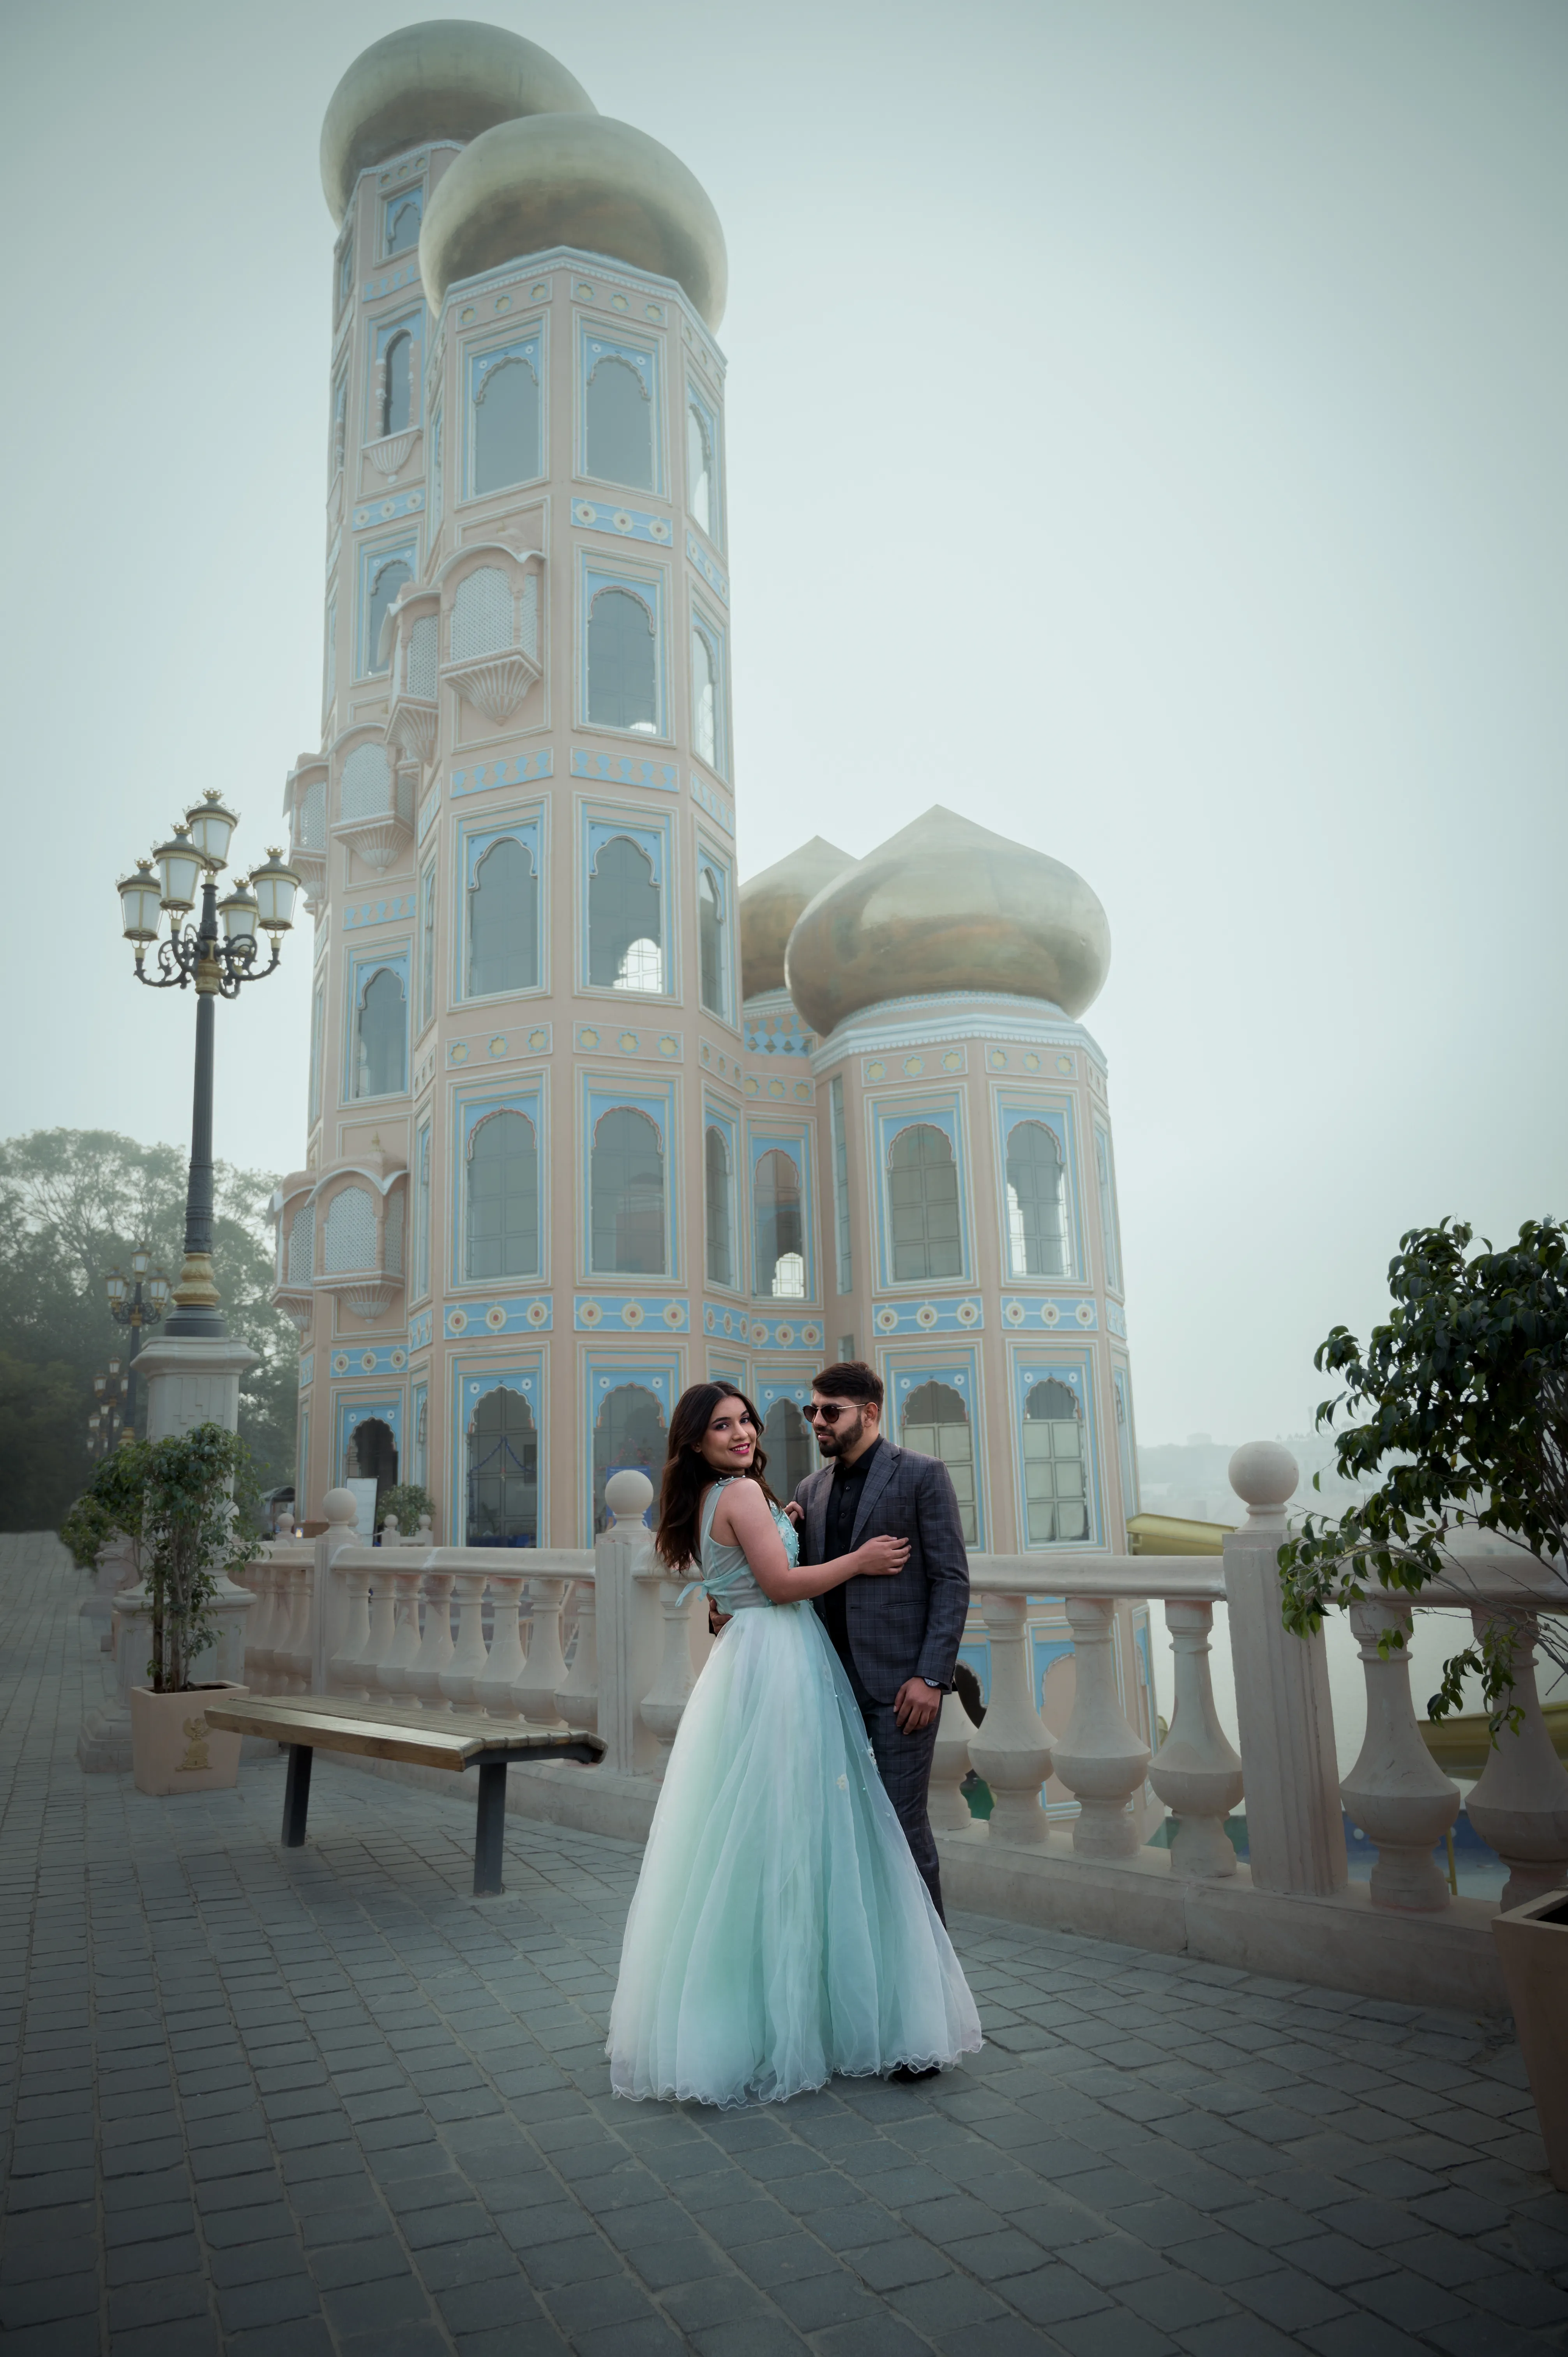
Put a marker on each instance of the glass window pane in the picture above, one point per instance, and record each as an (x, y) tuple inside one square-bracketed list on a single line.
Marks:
[(503, 1472), (1036, 1234), (625, 925), (778, 1228), (623, 667), (620, 423), (699, 470), (397, 386), (717, 1214), (381, 1065), (791, 1453), (505, 423), (704, 700), (503, 920), (503, 1197), (922, 1192), (711, 962), (626, 1188), (629, 1432)]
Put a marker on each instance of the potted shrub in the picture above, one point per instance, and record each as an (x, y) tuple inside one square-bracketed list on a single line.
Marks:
[(409, 1505), (176, 1498)]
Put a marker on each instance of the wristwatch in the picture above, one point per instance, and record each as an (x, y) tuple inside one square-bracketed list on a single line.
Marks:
[(932, 1684)]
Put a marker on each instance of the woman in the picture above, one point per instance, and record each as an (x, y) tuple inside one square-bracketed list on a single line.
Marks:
[(780, 1931)]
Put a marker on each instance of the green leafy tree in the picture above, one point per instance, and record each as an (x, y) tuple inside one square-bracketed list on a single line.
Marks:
[(405, 1502), (189, 1502), (74, 1204), (1461, 1405)]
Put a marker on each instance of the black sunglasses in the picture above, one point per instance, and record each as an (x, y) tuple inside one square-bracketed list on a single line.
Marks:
[(828, 1413)]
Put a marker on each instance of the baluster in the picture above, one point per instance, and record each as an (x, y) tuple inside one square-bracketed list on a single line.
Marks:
[(1012, 1750), (436, 1646), (302, 1586), (578, 1696), (1195, 1772), (287, 1678), (1396, 1791), (665, 1702), (950, 1763), (466, 1667), (404, 1651), (345, 1668), (1100, 1759), (1520, 1803), (545, 1668), (383, 1624), (261, 1576), (497, 1687), (390, 1534)]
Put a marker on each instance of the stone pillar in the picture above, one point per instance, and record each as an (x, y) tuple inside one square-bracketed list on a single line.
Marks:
[(545, 1668), (664, 1704), (1521, 1804), (1100, 1758), (620, 1553), (1295, 1832), (1396, 1791), (328, 1605), (1195, 1772), (1012, 1750), (190, 1380)]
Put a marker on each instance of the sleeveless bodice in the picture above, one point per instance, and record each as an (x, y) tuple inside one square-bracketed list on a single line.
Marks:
[(726, 1575)]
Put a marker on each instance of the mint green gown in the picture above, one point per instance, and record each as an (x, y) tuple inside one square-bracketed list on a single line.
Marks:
[(780, 1931)]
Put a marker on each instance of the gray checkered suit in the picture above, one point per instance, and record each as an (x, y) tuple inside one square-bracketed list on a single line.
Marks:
[(904, 1627)]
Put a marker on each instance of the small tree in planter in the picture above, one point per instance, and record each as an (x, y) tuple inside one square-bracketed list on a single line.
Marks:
[(406, 1503), (1464, 1397)]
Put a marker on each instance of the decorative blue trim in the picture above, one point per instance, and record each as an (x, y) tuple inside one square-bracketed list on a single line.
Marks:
[(795, 1142), (520, 1313), (913, 1068), (624, 770), (1060, 1116), (372, 559), (472, 1380), (593, 346), (894, 1025), (781, 1334), (475, 841), (499, 1048), (350, 1414), (396, 503), (966, 1317), (778, 1090), (889, 1118), (783, 1034), (1026, 1368), (473, 1106), (597, 1039), (1046, 1651), (372, 1359), (697, 554), (625, 523), (962, 1375), (375, 288), (525, 771), (419, 1330), (660, 1375), (378, 912), (1052, 1314), (359, 972), (306, 1370), (708, 798), (428, 809), (715, 1060), (1116, 1318), (590, 1311), (649, 839), (531, 348)]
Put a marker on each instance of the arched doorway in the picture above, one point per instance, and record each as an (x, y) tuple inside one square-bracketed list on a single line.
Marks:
[(628, 1433), (503, 1472), (371, 1455)]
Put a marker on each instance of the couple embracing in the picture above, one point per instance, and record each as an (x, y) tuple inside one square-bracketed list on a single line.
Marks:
[(787, 1924)]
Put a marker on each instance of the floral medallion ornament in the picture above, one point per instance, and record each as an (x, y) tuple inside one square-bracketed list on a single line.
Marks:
[(631, 1313), (588, 1037), (584, 511), (1064, 1063), (926, 1315), (812, 1337), (340, 1362), (784, 1336), (538, 293), (495, 1318), (657, 529), (618, 303), (967, 1312), (886, 1319), (398, 1361), (876, 1071), (711, 1320), (668, 1045), (498, 1045), (914, 1066), (622, 521), (537, 1312), (589, 1313), (1086, 1313), (459, 1053), (627, 1043), (952, 1061), (368, 1362), (538, 1041), (456, 1321), (759, 1333), (997, 1060), (1049, 1314), (1013, 1311)]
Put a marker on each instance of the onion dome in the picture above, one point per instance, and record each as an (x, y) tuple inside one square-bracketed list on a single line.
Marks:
[(948, 906), (449, 80), (769, 904), (574, 179)]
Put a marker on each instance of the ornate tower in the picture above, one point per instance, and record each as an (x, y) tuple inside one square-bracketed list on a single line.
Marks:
[(518, 833)]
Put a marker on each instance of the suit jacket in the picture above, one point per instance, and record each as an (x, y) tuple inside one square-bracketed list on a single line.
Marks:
[(909, 1625)]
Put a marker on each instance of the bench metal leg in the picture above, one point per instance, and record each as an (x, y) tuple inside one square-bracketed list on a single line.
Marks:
[(489, 1830), (296, 1795)]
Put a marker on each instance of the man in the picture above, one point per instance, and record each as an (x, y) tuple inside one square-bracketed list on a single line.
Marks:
[(897, 1637)]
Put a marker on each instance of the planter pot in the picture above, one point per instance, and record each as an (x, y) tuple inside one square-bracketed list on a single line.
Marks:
[(1533, 1948), (173, 1749)]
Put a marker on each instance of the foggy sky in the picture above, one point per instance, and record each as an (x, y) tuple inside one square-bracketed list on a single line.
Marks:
[(1145, 431)]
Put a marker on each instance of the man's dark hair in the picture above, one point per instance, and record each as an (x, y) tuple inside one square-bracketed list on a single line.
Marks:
[(851, 1378)]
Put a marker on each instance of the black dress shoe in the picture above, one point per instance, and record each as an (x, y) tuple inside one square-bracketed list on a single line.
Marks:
[(904, 2077)]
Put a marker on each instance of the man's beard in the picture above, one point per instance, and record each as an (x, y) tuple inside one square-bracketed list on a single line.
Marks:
[(832, 1439)]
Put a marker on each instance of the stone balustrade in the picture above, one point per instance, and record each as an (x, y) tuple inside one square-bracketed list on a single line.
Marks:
[(476, 1628)]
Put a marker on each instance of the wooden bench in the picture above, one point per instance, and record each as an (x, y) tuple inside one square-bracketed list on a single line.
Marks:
[(458, 1740)]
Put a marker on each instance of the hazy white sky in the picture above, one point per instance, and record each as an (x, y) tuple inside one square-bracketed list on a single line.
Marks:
[(1145, 434)]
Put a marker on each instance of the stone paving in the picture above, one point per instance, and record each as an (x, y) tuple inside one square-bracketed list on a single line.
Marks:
[(287, 2104)]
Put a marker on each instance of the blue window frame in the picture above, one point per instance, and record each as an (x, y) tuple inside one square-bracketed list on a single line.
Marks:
[(629, 1184), (402, 217), (936, 1411), (384, 569), (497, 1219), (621, 657), (705, 475), (504, 416), (376, 1035), (397, 369), (922, 1194), (502, 947), (619, 428), (627, 932), (1055, 1439)]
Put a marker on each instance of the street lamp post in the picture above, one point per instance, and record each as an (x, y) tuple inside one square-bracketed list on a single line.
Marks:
[(219, 965), (129, 1307), (104, 1424)]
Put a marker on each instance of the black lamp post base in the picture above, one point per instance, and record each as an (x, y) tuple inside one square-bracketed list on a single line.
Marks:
[(201, 1325)]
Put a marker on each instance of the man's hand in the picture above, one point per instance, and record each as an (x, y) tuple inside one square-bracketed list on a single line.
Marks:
[(796, 1515), (879, 1558), (717, 1621), (915, 1705)]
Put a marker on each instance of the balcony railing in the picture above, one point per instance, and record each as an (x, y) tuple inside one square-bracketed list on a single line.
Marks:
[(467, 1628)]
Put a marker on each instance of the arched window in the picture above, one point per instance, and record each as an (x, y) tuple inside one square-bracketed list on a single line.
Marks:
[(349, 1232), (699, 468), (628, 1435), (1037, 1225), (626, 932), (623, 663), (711, 963), (620, 423), (384, 585), (503, 1472), (381, 1037), (397, 386), (339, 421), (403, 228), (717, 1202), (791, 1455), (506, 424), (922, 1202), (503, 920), (1055, 1481), (704, 700), (502, 1210), (626, 1195), (369, 1454), (936, 1422), (777, 1227)]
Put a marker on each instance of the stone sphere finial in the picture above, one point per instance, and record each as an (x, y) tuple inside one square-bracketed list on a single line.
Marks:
[(1264, 1475), (629, 1494), (340, 1506)]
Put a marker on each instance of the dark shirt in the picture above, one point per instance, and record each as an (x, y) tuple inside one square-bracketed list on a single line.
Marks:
[(838, 1537)]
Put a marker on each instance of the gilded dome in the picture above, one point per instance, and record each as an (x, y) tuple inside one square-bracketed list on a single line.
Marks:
[(769, 904), (448, 80), (946, 906), (574, 179)]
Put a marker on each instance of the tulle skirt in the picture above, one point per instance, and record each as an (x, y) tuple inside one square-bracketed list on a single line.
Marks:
[(780, 1931)]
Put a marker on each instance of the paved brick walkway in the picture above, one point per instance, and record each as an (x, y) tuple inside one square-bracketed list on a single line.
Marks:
[(282, 2107)]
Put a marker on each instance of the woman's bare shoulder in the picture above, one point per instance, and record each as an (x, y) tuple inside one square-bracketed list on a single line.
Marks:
[(741, 1508)]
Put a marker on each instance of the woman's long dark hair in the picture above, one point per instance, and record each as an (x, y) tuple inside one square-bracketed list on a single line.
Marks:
[(687, 1472)]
